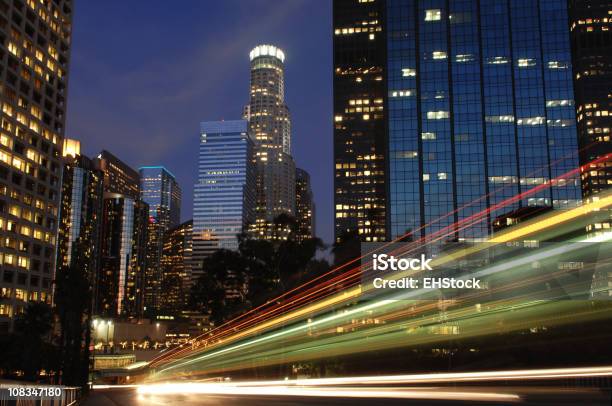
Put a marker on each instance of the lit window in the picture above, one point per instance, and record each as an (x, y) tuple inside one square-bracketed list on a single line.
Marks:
[(530, 121), (437, 115), (442, 176), (464, 58), (558, 103), (425, 177), (438, 55), (557, 65), (428, 136), (499, 119), (401, 93), (408, 72), (526, 62), (497, 60), (433, 14)]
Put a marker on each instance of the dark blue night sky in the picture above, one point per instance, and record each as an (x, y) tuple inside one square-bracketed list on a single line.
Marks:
[(145, 73)]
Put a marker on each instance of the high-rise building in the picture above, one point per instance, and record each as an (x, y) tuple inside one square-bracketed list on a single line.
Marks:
[(591, 37), (160, 190), (121, 281), (304, 205), (472, 102), (224, 196), (118, 176), (359, 120), (120, 285), (176, 268), (270, 126), (35, 55), (78, 239)]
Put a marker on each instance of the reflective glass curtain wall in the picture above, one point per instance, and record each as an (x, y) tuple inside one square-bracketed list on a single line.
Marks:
[(480, 109)]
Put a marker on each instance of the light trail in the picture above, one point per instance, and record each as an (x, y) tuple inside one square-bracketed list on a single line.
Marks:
[(228, 328), (343, 296), (373, 386), (185, 389)]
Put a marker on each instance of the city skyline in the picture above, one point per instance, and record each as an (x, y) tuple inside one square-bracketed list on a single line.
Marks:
[(134, 124)]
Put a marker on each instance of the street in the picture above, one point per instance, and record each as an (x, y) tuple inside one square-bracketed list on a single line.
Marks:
[(362, 396)]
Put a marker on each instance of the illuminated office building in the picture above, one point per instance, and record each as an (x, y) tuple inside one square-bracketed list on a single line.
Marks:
[(118, 176), (472, 103), (224, 196), (34, 54), (359, 120), (304, 205), (270, 127), (78, 240), (591, 36), (176, 268), (121, 280), (160, 190)]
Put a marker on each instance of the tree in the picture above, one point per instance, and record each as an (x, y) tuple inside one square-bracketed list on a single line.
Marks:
[(32, 339), (235, 281), (347, 248), (221, 290), (73, 307)]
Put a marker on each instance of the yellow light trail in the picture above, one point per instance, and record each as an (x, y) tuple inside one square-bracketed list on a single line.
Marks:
[(523, 231)]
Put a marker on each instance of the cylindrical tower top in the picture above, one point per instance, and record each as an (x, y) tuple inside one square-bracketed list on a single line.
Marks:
[(267, 50)]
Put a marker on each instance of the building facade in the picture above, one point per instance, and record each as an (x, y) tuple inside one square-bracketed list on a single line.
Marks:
[(78, 240), (304, 206), (176, 268), (270, 127), (359, 120), (34, 55), (224, 197), (160, 190), (118, 176), (591, 38), (477, 107), (125, 218), (120, 287)]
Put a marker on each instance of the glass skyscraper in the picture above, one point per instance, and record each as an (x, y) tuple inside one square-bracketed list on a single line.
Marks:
[(160, 190), (224, 197), (78, 239), (120, 286), (479, 107)]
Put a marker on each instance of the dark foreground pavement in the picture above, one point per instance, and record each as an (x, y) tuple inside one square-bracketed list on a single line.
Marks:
[(413, 396)]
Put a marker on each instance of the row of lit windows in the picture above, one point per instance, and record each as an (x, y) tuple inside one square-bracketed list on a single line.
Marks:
[(25, 230)]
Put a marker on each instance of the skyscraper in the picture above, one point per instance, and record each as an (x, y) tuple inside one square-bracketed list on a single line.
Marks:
[(304, 205), (118, 176), (591, 35), (476, 106), (80, 215), (160, 190), (36, 40), (224, 196), (120, 288), (176, 268), (120, 285), (359, 120), (270, 126)]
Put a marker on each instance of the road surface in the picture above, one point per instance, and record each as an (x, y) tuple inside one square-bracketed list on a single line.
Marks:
[(430, 395)]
